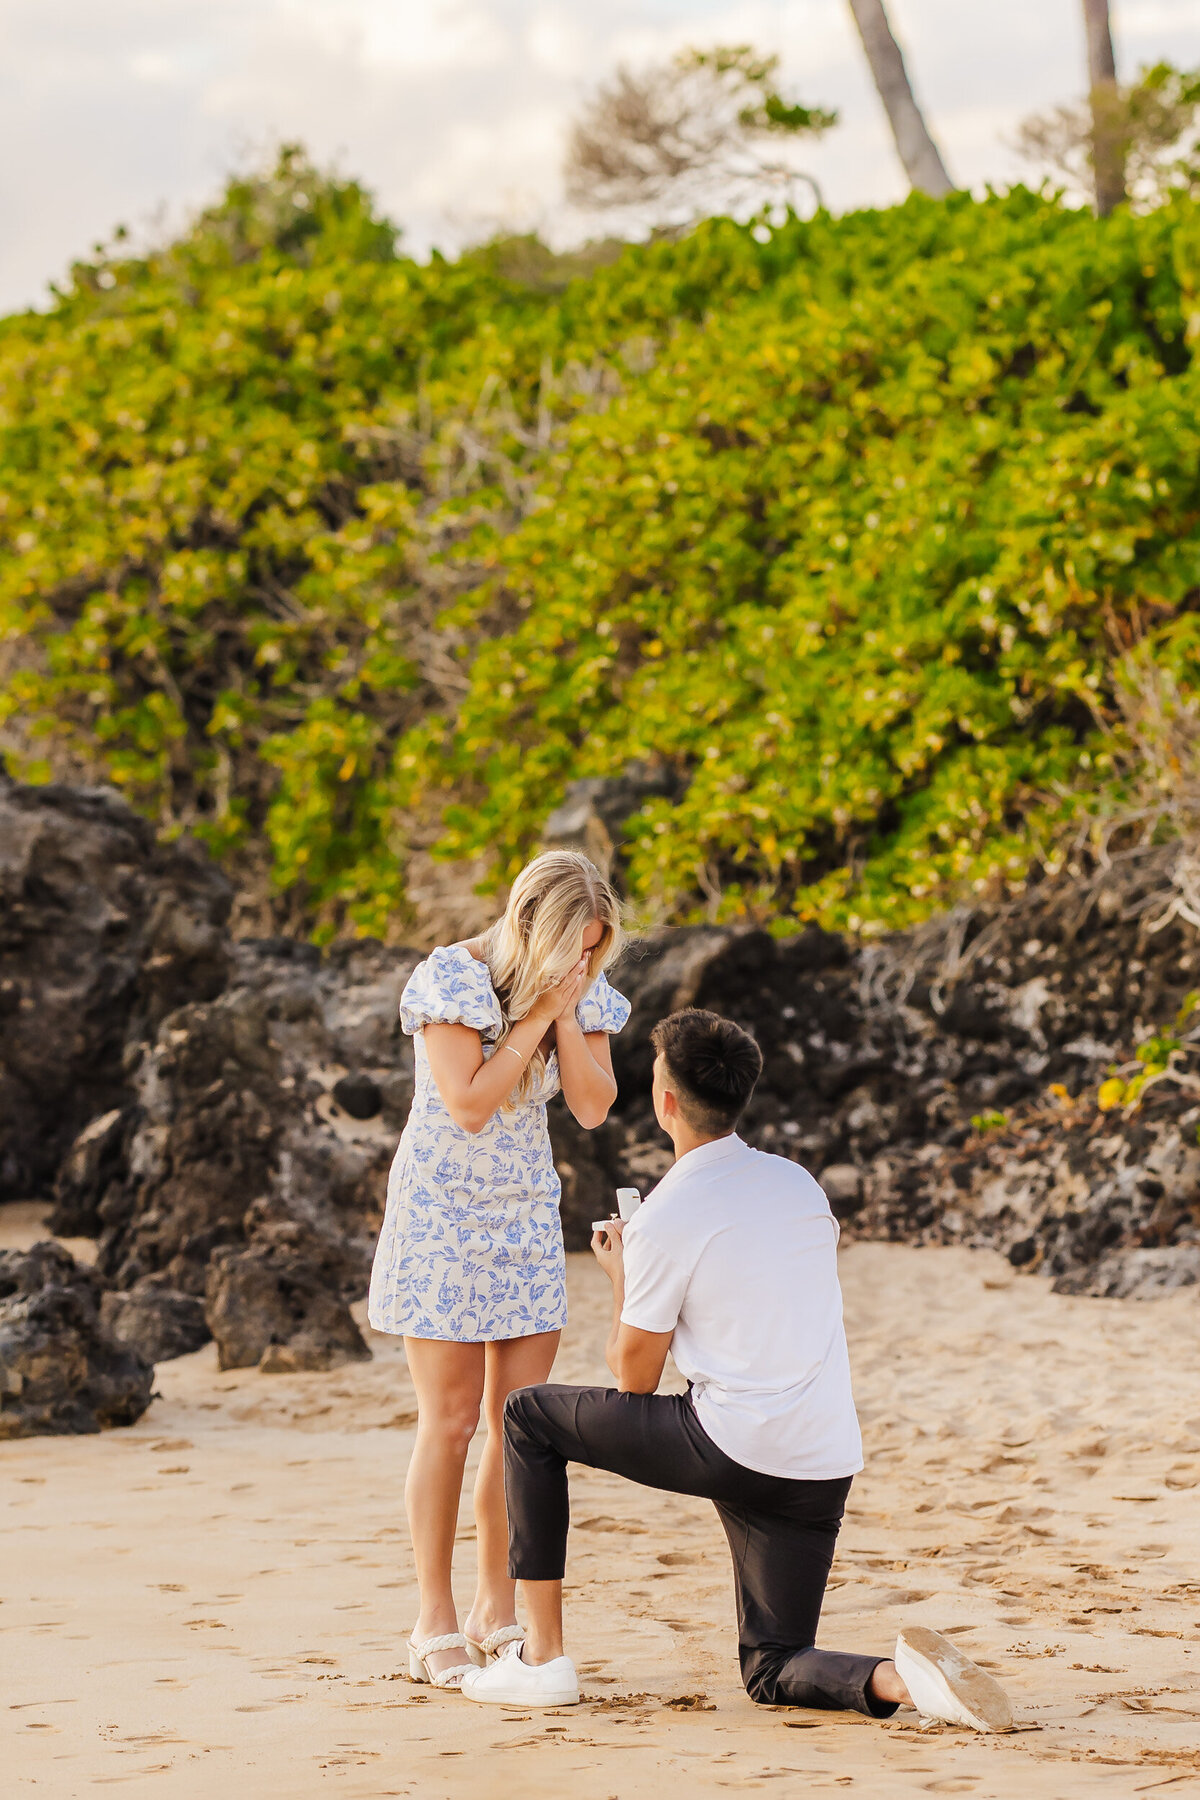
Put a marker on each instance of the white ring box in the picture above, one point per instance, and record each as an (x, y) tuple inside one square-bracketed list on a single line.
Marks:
[(628, 1201)]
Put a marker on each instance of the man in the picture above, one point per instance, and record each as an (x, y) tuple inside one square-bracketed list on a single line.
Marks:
[(730, 1264)]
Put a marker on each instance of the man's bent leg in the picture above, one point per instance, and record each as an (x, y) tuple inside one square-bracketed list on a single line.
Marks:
[(782, 1533), (535, 1487), (653, 1439), (781, 1562)]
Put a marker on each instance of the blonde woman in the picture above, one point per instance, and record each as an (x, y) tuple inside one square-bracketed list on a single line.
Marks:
[(470, 1268)]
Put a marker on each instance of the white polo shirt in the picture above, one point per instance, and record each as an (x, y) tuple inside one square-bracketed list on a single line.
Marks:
[(735, 1251)]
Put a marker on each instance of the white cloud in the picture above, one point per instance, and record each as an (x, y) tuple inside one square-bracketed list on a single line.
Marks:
[(152, 65), (455, 110), (1136, 17), (558, 43), (423, 36)]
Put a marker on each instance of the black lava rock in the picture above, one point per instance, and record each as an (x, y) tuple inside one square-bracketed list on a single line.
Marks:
[(276, 1303), (61, 1371), (102, 931), (157, 1322), (359, 1095)]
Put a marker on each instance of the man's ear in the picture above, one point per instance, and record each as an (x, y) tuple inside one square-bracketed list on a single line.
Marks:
[(670, 1104)]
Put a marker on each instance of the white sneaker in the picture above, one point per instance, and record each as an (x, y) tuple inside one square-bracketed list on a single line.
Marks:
[(510, 1682), (947, 1685)]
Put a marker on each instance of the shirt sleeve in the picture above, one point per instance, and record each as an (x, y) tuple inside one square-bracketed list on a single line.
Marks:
[(655, 1283), (451, 987), (602, 1008)]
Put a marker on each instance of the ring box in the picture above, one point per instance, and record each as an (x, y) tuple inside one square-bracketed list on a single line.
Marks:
[(628, 1201)]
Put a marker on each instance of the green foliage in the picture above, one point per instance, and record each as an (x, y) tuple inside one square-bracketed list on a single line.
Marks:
[(1160, 1057), (989, 1121), (860, 559), (328, 555), (205, 519)]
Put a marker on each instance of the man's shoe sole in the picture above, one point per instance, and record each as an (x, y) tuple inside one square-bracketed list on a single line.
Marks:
[(982, 1699)]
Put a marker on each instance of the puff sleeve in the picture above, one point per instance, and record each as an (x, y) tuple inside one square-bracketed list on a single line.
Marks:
[(602, 1008), (451, 987)]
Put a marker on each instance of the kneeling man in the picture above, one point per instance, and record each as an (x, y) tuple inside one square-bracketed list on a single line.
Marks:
[(730, 1264)]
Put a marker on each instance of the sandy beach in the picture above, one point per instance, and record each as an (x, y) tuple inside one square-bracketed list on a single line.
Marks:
[(215, 1601)]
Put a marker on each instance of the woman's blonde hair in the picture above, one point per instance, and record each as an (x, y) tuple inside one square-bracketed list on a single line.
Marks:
[(536, 940)]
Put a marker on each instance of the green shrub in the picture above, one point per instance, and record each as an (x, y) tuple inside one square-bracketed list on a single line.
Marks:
[(323, 553), (860, 556)]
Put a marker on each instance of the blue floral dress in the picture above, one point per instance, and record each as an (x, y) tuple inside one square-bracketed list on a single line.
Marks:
[(471, 1249)]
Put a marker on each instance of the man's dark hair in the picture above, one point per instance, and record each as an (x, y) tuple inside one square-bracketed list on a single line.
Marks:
[(713, 1065)]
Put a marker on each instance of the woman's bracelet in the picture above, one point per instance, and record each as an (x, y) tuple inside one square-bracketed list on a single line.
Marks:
[(515, 1052)]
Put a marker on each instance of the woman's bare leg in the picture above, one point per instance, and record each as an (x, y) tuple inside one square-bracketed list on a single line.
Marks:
[(449, 1381), (516, 1363)]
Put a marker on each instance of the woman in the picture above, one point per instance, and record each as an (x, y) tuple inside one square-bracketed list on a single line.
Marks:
[(470, 1267)]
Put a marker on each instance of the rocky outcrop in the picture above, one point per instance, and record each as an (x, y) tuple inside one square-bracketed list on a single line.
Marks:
[(221, 1115), (94, 1164), (202, 1146), (1136, 1274), (234, 1107), (588, 1163), (61, 1371), (158, 1322), (276, 1303), (237, 1128), (943, 1083), (102, 932)]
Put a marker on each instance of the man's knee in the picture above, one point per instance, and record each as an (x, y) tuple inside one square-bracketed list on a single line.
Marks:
[(760, 1675), (522, 1409)]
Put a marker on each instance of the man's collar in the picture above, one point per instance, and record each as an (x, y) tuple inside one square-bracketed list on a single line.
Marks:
[(716, 1150)]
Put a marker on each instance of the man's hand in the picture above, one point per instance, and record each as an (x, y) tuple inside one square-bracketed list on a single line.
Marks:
[(609, 1251), (635, 1357)]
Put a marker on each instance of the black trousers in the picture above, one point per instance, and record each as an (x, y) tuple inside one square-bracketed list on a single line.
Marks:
[(781, 1533)]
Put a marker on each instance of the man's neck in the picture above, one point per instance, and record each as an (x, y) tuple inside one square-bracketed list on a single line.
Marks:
[(685, 1139)]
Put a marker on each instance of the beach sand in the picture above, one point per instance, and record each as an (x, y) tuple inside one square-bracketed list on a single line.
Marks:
[(215, 1601)]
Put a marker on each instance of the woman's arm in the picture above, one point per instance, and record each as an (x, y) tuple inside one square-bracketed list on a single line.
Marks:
[(585, 1069), (474, 1086)]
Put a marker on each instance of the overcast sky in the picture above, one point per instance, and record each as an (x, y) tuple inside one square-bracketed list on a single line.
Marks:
[(453, 111)]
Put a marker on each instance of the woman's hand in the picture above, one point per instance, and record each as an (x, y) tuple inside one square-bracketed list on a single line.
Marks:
[(560, 1000), (574, 988)]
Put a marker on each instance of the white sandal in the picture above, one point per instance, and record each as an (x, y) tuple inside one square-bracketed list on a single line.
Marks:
[(488, 1649), (418, 1666)]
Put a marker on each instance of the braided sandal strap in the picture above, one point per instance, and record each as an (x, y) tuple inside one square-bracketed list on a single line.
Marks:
[(452, 1677), (495, 1641), (451, 1640)]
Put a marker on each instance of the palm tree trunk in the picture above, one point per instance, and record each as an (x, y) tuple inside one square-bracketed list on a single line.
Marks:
[(1108, 150), (922, 161)]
